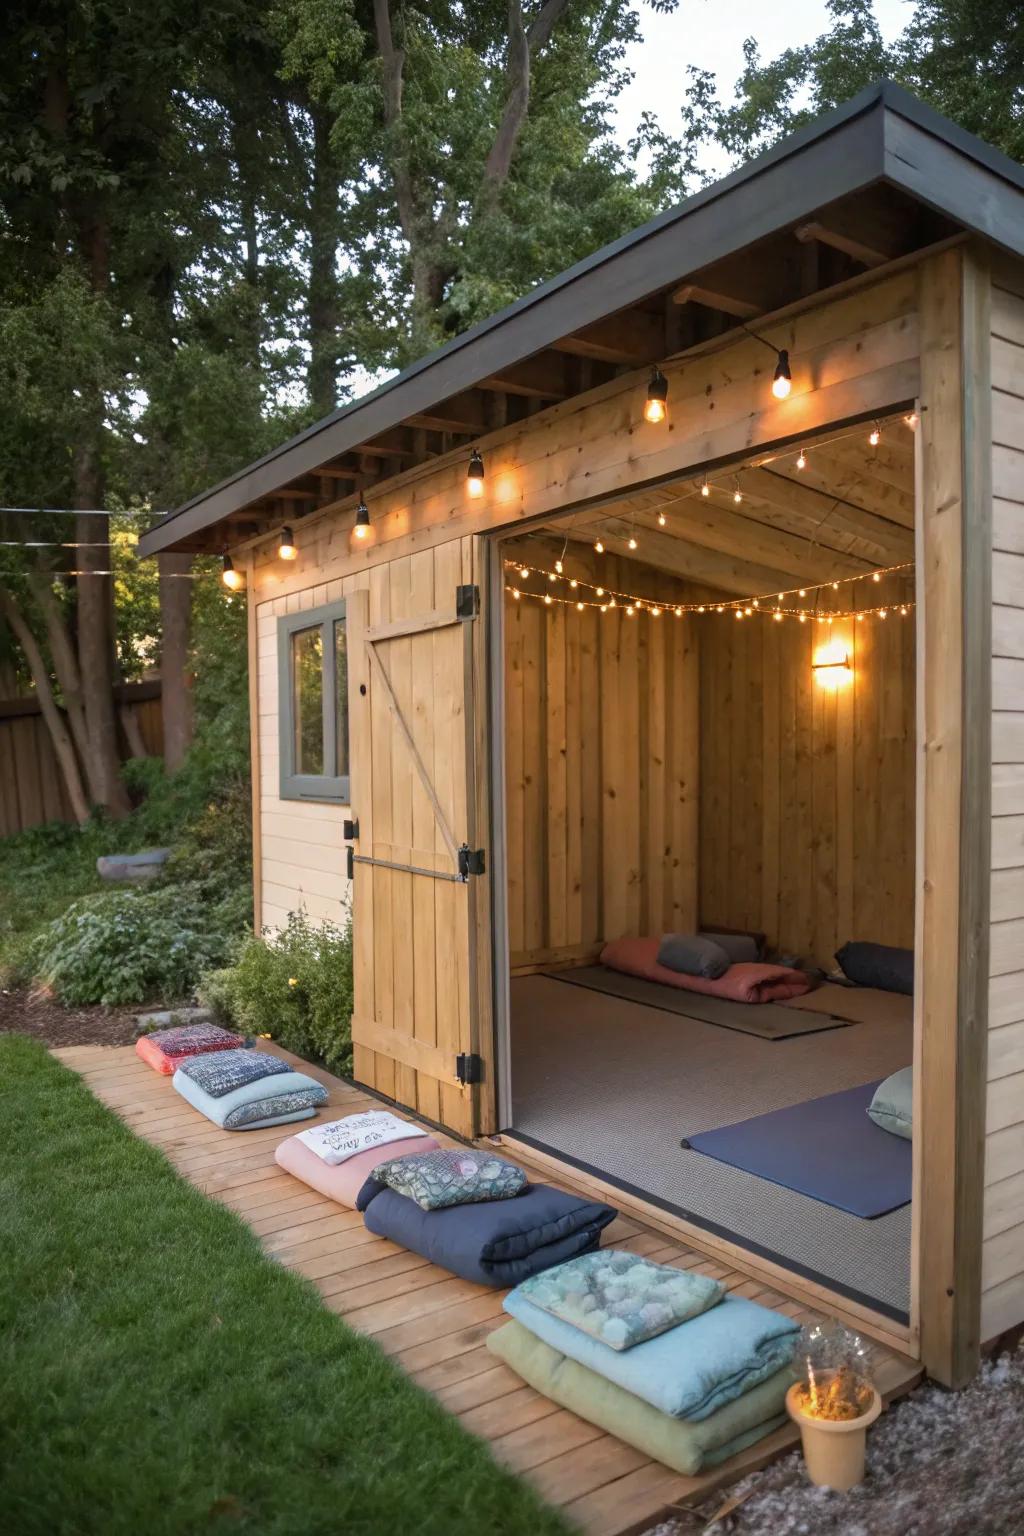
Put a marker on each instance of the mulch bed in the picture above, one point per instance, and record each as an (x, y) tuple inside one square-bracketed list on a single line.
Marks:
[(22, 1013)]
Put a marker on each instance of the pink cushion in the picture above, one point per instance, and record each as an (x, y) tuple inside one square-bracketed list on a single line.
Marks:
[(166, 1049), (343, 1181), (743, 983)]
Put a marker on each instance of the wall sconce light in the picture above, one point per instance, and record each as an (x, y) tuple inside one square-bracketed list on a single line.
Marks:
[(475, 474), (831, 665), (286, 549), (656, 405), (363, 534), (232, 579)]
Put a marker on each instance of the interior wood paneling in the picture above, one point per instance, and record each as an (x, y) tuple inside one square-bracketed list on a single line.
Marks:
[(807, 810)]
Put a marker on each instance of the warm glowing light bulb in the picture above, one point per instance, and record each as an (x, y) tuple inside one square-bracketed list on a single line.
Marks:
[(655, 612), (803, 591), (231, 578), (705, 489), (552, 576), (803, 618), (524, 571), (558, 567), (739, 613), (777, 617), (874, 437), (662, 519), (801, 462), (630, 610), (876, 576), (548, 598), (475, 474), (782, 382), (599, 547), (911, 420), (883, 613), (363, 535), (579, 607), (632, 543), (655, 406), (832, 665), (748, 612), (574, 584), (286, 547), (737, 495), (599, 591), (757, 602), (515, 593)]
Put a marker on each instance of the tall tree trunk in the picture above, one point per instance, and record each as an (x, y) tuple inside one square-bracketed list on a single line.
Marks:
[(96, 642), (323, 268), (65, 664), (175, 690), (60, 736)]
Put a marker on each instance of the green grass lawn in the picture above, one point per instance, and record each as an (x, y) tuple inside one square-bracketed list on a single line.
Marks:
[(158, 1374)]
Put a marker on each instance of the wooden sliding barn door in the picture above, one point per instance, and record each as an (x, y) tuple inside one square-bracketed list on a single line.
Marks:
[(421, 1026)]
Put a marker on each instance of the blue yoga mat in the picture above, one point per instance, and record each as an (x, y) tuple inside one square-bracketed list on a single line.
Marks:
[(826, 1148)]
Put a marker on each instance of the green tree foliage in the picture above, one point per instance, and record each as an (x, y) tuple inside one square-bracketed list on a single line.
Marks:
[(964, 57)]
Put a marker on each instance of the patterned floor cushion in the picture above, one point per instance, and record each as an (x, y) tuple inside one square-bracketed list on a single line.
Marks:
[(343, 1181), (165, 1049), (246, 1090)]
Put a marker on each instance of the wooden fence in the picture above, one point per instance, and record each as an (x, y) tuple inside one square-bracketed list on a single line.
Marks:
[(31, 785)]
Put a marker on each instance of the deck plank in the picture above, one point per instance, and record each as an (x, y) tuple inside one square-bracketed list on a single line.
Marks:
[(432, 1324)]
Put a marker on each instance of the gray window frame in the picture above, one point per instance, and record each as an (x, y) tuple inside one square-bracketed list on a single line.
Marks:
[(329, 786)]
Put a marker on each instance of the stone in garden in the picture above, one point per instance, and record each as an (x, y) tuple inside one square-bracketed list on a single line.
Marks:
[(132, 867), (171, 1018)]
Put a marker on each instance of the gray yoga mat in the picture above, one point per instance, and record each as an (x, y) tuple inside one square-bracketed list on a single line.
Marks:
[(768, 1021), (826, 1148)]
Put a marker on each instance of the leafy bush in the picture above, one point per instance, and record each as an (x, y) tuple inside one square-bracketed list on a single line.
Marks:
[(134, 946), (295, 986)]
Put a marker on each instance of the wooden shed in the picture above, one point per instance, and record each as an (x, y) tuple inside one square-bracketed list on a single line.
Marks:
[(586, 629)]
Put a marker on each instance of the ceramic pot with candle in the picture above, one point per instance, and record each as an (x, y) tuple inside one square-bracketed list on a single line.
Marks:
[(834, 1405)]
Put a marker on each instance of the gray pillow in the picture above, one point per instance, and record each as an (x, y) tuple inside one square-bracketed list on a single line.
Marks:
[(740, 947), (892, 1105), (878, 965), (693, 955)]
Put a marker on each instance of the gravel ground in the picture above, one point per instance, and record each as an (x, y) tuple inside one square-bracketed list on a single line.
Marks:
[(939, 1464), (22, 1013)]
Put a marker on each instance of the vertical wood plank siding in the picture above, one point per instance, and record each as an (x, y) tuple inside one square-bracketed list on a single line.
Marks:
[(1003, 1245)]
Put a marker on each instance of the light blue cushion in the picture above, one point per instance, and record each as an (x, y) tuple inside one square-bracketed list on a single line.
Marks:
[(276, 1100), (893, 1104), (688, 1372), (620, 1298)]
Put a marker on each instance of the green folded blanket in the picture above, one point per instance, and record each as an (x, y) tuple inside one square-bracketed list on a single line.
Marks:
[(682, 1444)]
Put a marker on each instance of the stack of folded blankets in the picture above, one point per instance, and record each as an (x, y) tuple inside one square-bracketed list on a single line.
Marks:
[(475, 1214), (165, 1049), (657, 1356), (244, 1090)]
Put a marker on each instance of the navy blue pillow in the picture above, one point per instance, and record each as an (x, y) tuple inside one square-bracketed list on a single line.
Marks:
[(878, 965)]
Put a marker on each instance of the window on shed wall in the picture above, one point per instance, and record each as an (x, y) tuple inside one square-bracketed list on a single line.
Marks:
[(312, 658)]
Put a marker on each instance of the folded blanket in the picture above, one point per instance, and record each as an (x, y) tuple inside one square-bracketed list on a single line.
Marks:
[(689, 1372), (681, 1444), (165, 1049), (341, 1140), (499, 1242), (341, 1181), (742, 983), (274, 1096), (225, 1072)]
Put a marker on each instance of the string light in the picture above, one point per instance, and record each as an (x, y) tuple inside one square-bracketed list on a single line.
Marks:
[(911, 420), (801, 462), (656, 405), (741, 607), (286, 547), (632, 542), (475, 474), (231, 578), (875, 435), (662, 519), (363, 534), (705, 489), (782, 381), (737, 494), (558, 567), (599, 547)]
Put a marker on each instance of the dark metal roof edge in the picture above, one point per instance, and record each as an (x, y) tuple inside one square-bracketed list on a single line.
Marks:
[(881, 98)]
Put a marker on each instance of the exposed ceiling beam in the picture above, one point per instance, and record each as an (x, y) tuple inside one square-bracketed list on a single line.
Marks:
[(728, 303), (852, 245), (538, 378), (635, 337), (460, 413), (679, 558)]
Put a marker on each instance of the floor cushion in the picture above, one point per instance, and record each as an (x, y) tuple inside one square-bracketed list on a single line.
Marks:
[(690, 1371), (893, 1104), (246, 1090), (342, 1181), (682, 1444), (165, 1049), (742, 983), (498, 1242), (620, 1298), (693, 954), (451, 1176), (337, 1141)]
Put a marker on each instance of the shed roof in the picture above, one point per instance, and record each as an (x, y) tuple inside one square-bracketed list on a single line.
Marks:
[(874, 181)]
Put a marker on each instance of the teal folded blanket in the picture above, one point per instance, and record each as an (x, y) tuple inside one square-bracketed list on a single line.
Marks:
[(690, 1371)]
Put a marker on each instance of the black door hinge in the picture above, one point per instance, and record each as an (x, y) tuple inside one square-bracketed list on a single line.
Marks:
[(471, 861), (350, 856), (469, 1068), (467, 602)]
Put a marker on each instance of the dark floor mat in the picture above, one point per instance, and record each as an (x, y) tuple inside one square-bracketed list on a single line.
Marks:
[(768, 1021)]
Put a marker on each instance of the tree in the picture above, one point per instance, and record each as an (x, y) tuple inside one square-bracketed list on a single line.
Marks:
[(965, 57)]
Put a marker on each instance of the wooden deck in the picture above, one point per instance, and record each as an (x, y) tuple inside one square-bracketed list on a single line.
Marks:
[(433, 1325)]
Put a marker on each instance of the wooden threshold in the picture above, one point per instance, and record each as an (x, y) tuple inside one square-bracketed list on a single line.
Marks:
[(887, 1330), (434, 1325)]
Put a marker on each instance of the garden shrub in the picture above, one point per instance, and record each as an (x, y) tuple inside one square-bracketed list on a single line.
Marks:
[(295, 986), (131, 945)]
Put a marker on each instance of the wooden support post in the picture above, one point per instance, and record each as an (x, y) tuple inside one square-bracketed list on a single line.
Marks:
[(254, 744), (954, 773)]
